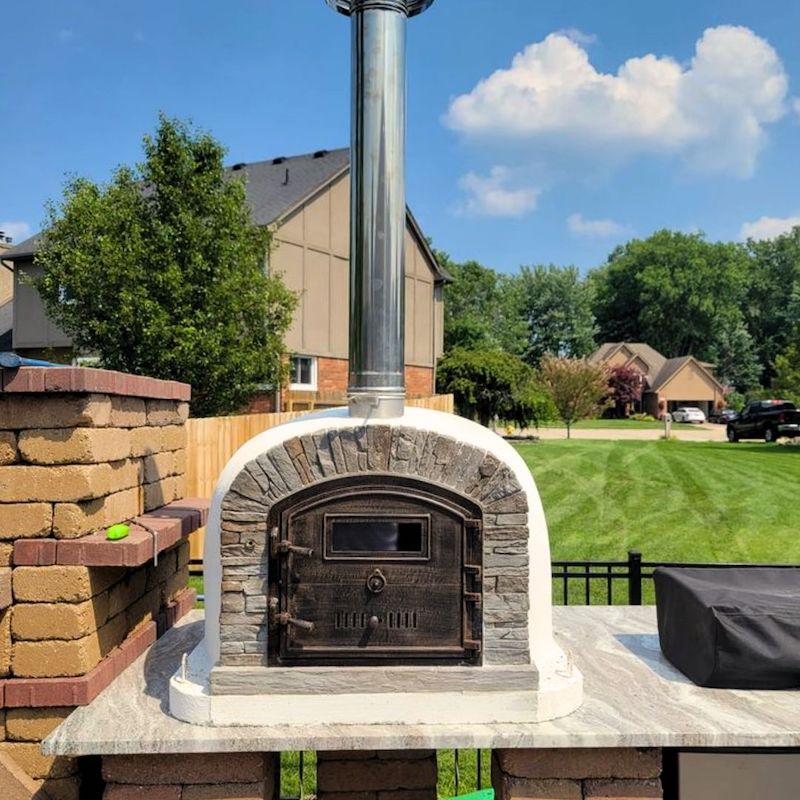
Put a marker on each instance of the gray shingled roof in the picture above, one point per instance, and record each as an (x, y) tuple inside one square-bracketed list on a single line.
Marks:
[(277, 186), (274, 188)]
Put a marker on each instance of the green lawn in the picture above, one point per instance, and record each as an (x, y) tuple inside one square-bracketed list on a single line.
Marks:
[(681, 501), (608, 424)]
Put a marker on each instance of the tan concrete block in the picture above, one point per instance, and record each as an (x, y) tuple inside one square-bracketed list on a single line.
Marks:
[(21, 483), (29, 756), (24, 411), (8, 447), (577, 763), (158, 466), (376, 775), (59, 584), (74, 445), (616, 790), (146, 441), (184, 554), (225, 791), (5, 642), (162, 492), (174, 584), (167, 565), (127, 412), (536, 789), (166, 412), (63, 788), (52, 659), (125, 593), (188, 769), (173, 437), (121, 791), (6, 554), (25, 520), (144, 610), (33, 724), (180, 487), (71, 520), (42, 621)]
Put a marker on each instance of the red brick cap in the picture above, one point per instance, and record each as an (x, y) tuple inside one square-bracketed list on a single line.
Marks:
[(96, 381), (172, 522)]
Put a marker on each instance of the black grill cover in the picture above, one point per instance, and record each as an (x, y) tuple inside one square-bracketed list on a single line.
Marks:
[(731, 627)]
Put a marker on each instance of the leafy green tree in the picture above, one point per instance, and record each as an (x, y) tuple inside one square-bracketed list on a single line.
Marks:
[(786, 382), (675, 291), (161, 272), (734, 357), (482, 309), (772, 303), (492, 384), (557, 306), (578, 387)]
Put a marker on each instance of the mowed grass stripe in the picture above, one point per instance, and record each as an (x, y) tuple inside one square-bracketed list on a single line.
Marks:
[(681, 501)]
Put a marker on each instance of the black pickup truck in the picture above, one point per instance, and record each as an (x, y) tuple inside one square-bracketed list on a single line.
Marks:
[(765, 419)]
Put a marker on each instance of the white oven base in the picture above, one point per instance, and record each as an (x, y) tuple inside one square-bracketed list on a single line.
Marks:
[(555, 695)]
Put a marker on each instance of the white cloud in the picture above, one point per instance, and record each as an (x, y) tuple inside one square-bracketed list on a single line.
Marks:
[(768, 227), (711, 112), (595, 228), (796, 105), (19, 231), (492, 197), (578, 36)]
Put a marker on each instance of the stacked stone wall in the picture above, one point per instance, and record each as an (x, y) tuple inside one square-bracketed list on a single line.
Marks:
[(81, 450), (577, 774), (426, 455)]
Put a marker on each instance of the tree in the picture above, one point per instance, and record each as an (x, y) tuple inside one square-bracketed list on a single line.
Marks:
[(786, 382), (625, 385), (675, 291), (557, 306), (735, 361), (482, 309), (772, 303), (489, 384), (578, 387), (162, 273)]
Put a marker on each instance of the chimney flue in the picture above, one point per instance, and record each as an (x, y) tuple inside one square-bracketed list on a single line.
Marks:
[(377, 204)]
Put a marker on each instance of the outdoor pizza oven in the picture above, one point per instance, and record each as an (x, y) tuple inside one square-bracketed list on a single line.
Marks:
[(376, 563)]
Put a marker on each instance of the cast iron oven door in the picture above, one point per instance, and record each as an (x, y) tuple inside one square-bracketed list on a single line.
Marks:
[(376, 570)]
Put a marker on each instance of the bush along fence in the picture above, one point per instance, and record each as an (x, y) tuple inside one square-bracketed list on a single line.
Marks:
[(81, 450)]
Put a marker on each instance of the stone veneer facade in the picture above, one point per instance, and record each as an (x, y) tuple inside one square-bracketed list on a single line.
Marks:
[(375, 449)]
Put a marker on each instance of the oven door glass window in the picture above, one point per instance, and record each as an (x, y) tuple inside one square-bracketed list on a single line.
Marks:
[(373, 536)]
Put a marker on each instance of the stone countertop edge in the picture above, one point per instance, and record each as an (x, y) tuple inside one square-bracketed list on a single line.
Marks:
[(633, 698)]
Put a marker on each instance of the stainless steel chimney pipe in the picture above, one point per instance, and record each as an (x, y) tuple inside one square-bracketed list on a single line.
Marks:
[(376, 385)]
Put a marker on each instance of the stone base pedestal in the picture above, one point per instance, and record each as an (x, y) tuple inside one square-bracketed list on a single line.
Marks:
[(381, 775), (212, 776), (577, 774)]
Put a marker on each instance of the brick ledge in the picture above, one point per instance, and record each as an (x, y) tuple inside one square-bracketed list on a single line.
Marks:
[(80, 691), (173, 522), (88, 380)]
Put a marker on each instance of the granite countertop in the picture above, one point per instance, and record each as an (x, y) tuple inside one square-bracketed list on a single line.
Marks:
[(633, 698)]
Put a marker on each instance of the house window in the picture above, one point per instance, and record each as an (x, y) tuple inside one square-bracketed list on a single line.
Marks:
[(304, 373)]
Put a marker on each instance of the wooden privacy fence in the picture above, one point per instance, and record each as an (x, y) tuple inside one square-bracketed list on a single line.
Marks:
[(212, 441)]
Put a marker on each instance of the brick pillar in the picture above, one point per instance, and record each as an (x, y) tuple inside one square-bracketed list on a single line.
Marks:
[(577, 774), (377, 775), (208, 776), (80, 450)]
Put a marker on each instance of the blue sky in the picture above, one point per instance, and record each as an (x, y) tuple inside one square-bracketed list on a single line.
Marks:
[(537, 132)]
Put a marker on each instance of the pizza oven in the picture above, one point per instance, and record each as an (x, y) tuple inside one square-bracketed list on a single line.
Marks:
[(376, 563)]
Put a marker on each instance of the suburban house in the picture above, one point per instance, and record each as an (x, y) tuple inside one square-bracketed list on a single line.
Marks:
[(675, 382), (305, 200), (6, 296)]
